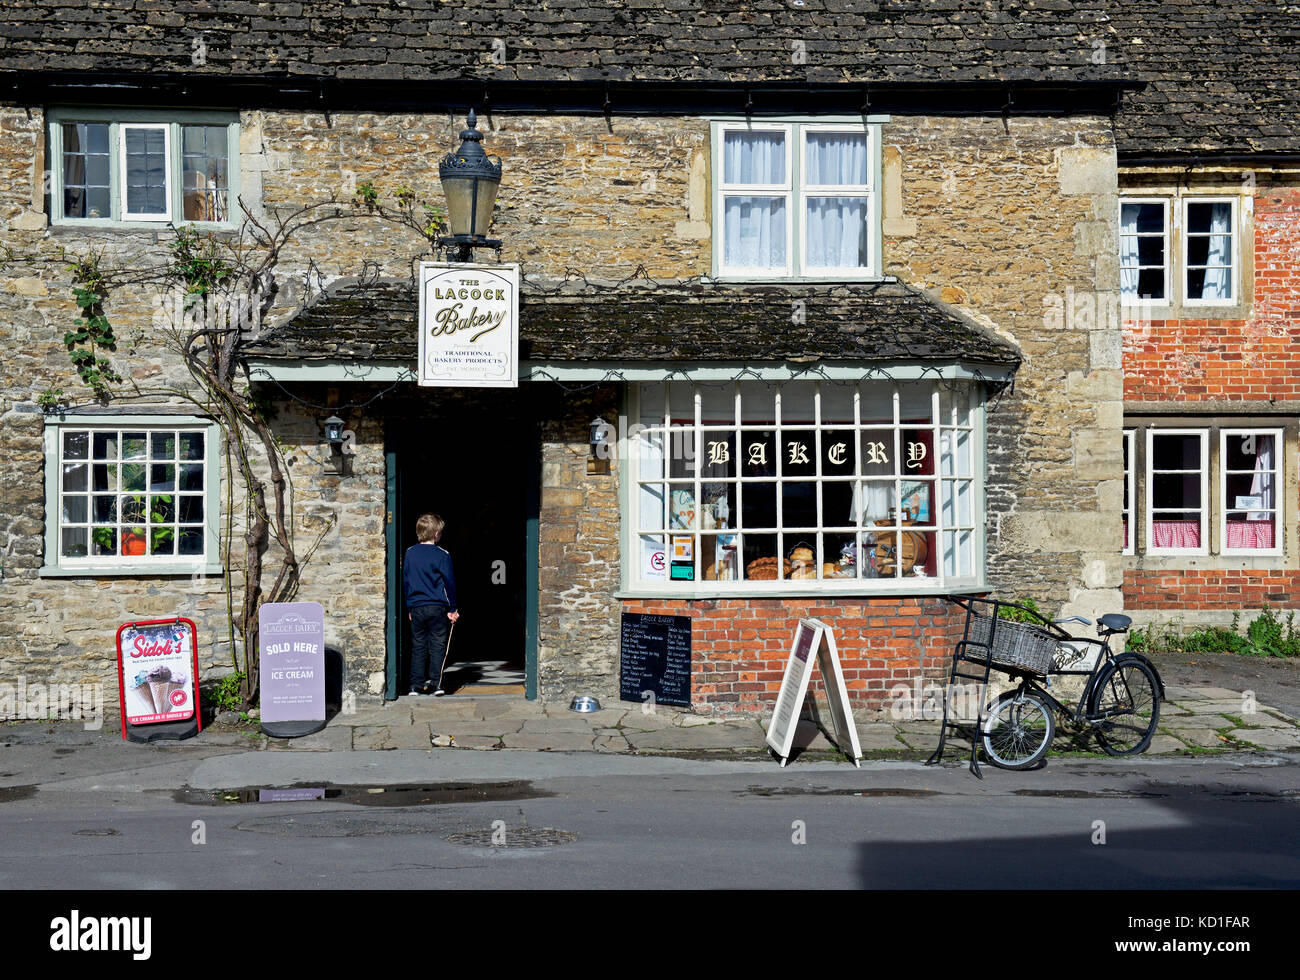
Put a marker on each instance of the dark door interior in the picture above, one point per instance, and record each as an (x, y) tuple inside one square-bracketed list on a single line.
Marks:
[(470, 468)]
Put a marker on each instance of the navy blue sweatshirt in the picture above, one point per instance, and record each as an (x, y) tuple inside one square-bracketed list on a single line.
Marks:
[(427, 577)]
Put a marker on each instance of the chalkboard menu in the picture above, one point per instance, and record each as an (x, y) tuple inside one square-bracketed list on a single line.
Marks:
[(655, 655)]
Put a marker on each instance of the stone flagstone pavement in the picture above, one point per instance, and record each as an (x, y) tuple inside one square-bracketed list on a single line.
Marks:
[(1192, 720)]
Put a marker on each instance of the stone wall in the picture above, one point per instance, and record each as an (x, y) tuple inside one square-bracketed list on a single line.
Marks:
[(994, 217), (1015, 223), (579, 563)]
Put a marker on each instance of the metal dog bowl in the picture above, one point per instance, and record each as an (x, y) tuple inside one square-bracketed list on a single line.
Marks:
[(584, 704)]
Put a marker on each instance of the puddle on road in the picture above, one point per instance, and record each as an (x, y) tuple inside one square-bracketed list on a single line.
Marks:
[(10, 793), (823, 791), (1084, 794), (366, 795)]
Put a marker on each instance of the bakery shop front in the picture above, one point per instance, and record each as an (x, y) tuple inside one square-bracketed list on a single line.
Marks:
[(774, 452)]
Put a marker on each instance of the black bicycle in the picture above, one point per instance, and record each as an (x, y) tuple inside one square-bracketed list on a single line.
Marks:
[(1120, 701)]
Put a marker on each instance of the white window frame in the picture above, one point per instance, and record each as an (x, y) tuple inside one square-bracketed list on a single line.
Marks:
[(1278, 510), (1184, 236), (796, 194), (1167, 299), (970, 555), (1204, 434), (56, 564), (168, 177), (1130, 484), (116, 120)]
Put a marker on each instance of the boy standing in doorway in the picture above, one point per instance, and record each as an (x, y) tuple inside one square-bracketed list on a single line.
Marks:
[(431, 604)]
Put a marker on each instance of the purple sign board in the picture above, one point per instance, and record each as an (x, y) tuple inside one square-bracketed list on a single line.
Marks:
[(291, 641)]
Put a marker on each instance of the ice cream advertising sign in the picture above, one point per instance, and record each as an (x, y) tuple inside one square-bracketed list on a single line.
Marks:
[(291, 640), (157, 664), (469, 325)]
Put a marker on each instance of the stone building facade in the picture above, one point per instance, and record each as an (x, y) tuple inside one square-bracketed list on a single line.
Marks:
[(995, 270)]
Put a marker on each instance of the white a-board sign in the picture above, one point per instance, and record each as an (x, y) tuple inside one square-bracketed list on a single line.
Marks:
[(812, 639)]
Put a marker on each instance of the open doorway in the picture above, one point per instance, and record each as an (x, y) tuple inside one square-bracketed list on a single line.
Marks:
[(474, 464)]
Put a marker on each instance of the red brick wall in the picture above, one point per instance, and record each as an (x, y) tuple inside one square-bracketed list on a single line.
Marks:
[(1226, 360), (1244, 589), (739, 647), (1231, 360)]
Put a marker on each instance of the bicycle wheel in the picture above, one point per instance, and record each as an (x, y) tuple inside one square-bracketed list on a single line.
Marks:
[(1018, 731), (1124, 707)]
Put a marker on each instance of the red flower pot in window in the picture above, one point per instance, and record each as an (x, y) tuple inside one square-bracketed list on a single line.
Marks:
[(132, 543)]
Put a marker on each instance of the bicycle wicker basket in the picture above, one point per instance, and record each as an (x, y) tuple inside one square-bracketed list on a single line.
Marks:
[(1019, 646)]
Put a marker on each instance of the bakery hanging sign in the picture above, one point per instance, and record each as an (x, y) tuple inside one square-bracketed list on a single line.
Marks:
[(469, 325)]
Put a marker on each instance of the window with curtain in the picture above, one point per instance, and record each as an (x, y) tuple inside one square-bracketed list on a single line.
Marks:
[(142, 166), (795, 199), (1143, 250), (837, 485), (1176, 491), (1209, 252), (1249, 471)]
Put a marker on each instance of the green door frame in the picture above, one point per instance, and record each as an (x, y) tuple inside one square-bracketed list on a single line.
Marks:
[(393, 577), (532, 559)]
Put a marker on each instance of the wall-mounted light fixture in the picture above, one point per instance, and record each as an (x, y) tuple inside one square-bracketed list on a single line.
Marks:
[(598, 462), (336, 434)]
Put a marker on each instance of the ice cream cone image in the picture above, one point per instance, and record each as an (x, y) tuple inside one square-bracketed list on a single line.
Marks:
[(159, 682), (147, 697), (172, 687), (160, 691)]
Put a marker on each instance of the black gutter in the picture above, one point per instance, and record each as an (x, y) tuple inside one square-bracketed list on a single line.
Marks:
[(1189, 158), (596, 97)]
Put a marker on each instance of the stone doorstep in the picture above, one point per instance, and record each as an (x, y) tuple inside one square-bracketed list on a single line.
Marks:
[(612, 743), (430, 708), (521, 709), (1268, 738)]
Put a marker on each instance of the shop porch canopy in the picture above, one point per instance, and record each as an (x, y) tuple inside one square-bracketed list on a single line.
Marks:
[(643, 330)]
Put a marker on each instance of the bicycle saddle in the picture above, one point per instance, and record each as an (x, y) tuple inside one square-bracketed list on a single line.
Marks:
[(1115, 622)]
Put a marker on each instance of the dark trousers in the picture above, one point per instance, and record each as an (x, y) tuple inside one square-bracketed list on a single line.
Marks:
[(429, 629)]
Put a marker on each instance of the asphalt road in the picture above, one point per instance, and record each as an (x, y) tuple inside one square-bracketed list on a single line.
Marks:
[(624, 822)]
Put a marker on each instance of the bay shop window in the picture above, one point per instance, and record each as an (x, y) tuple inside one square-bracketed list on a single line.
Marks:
[(806, 486)]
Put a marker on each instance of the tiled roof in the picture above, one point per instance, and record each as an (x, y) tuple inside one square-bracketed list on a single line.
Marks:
[(657, 321), (1220, 75), (1223, 76), (677, 40)]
